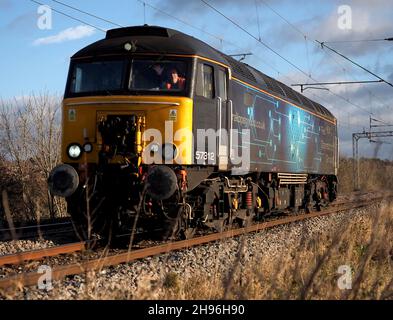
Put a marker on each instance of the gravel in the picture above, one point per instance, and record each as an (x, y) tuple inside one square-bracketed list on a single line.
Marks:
[(14, 246), (126, 280)]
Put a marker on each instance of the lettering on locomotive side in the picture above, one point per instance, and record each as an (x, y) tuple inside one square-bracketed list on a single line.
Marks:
[(251, 122), (205, 142)]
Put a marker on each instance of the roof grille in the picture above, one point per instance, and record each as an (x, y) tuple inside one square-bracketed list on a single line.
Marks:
[(273, 85), (291, 94), (300, 97), (137, 31), (310, 103), (240, 69)]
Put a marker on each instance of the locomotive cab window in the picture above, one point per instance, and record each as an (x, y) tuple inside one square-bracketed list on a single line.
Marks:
[(205, 81), (150, 75), (124, 76), (97, 76)]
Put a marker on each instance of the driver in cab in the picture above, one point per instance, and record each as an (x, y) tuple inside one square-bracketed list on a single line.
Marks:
[(175, 82)]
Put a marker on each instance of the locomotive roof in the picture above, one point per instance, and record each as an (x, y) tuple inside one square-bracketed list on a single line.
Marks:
[(153, 39)]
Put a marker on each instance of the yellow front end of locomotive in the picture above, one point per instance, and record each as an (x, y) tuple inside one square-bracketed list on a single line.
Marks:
[(168, 117)]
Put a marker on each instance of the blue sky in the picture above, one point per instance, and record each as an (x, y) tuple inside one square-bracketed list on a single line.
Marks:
[(35, 60)]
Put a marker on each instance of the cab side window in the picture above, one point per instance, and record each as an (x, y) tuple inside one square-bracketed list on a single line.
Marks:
[(205, 81), (222, 85)]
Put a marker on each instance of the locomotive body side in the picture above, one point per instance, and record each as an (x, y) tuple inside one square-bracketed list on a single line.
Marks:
[(284, 137)]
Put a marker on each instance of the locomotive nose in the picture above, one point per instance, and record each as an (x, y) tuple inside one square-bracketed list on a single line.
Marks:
[(63, 180), (161, 182)]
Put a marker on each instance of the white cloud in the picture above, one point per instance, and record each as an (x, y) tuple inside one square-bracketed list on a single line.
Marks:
[(67, 35)]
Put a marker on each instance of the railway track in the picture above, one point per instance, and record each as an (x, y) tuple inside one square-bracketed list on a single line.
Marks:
[(21, 257), (35, 231), (60, 272), (64, 227)]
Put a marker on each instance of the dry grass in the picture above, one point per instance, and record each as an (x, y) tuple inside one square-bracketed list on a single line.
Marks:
[(309, 271), (375, 174)]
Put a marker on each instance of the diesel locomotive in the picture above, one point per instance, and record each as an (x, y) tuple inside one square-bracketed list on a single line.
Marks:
[(160, 131)]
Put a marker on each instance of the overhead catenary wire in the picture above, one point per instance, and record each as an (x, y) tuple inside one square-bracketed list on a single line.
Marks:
[(259, 25), (87, 13), (145, 4), (330, 54), (279, 55), (333, 58), (326, 52), (225, 41), (271, 66), (251, 35), (187, 23), (283, 18), (155, 8), (274, 51), (222, 40), (69, 16), (353, 62)]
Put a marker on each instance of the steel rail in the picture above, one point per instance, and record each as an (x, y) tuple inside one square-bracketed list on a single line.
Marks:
[(21, 257), (58, 273), (36, 226), (32, 231)]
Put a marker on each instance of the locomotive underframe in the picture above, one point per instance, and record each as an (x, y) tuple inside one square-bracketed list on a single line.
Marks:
[(113, 200)]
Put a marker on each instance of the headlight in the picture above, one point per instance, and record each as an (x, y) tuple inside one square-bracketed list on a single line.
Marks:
[(169, 151), (74, 151), (88, 147), (154, 148)]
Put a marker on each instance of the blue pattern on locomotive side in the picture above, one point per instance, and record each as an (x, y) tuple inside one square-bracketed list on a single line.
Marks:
[(284, 137)]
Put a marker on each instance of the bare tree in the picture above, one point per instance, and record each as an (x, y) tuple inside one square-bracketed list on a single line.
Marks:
[(30, 139)]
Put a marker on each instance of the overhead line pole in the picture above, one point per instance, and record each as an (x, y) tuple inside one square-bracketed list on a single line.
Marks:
[(364, 40), (355, 151)]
